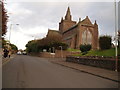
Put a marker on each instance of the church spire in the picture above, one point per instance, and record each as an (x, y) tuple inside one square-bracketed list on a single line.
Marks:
[(95, 23), (79, 20), (68, 15), (61, 19)]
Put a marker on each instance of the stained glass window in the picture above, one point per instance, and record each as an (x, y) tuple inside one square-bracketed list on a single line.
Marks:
[(86, 37)]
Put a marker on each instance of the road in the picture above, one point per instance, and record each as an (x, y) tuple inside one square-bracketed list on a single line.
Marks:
[(35, 72)]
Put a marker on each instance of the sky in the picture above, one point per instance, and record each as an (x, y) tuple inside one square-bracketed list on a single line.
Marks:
[(36, 16)]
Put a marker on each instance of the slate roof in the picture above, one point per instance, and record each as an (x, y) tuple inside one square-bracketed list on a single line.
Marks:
[(53, 32), (85, 21)]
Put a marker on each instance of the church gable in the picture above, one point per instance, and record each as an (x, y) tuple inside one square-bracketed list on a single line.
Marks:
[(86, 21)]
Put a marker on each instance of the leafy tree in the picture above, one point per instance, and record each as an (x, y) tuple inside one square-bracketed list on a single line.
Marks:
[(32, 46), (3, 43), (14, 47), (58, 45), (4, 18), (105, 42), (38, 45), (119, 39)]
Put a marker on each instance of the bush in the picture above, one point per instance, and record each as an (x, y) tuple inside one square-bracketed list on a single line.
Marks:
[(57, 45), (38, 46), (105, 42), (85, 48)]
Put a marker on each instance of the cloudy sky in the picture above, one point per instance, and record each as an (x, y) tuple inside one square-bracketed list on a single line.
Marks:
[(36, 16)]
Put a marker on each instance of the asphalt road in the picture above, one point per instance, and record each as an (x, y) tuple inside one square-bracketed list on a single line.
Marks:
[(34, 72)]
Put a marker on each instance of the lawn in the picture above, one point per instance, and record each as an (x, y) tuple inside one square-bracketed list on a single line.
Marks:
[(73, 50), (109, 52)]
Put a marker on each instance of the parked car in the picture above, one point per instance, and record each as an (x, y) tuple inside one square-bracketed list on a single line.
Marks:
[(24, 53), (19, 53)]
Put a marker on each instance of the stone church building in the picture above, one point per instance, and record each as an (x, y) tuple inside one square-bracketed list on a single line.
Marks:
[(76, 33)]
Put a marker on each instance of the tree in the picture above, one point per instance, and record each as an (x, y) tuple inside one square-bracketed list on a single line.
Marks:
[(105, 42), (118, 38), (14, 47), (57, 45), (38, 45), (4, 18), (32, 46), (4, 42)]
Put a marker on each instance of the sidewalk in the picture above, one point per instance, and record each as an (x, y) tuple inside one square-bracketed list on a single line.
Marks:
[(5, 60), (103, 73)]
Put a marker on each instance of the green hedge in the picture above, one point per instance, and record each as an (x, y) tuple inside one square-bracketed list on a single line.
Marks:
[(85, 48), (105, 42)]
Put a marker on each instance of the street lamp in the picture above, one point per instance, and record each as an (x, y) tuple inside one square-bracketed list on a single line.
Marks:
[(50, 50), (61, 51), (53, 52), (116, 53), (10, 30), (53, 49), (9, 47)]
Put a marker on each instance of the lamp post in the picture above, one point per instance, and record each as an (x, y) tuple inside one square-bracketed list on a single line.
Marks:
[(10, 30), (116, 53), (53, 51), (9, 47), (61, 52)]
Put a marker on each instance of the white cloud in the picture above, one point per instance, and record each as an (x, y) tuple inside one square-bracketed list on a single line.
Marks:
[(63, 0), (36, 17)]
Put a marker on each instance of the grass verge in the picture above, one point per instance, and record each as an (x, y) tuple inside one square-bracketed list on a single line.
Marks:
[(108, 52)]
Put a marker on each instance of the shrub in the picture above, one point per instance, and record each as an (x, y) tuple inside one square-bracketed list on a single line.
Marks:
[(105, 42), (58, 44), (85, 48), (38, 46)]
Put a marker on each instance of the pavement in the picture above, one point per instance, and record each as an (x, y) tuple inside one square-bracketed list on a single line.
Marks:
[(103, 73), (25, 71), (7, 59)]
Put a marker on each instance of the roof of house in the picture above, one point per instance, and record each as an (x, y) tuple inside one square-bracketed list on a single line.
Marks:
[(53, 32), (74, 26)]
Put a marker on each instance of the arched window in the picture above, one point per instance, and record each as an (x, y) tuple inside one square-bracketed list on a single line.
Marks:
[(86, 37)]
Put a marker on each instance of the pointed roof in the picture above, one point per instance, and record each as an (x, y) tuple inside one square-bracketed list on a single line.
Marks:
[(87, 21), (61, 19), (95, 23), (53, 33), (68, 14)]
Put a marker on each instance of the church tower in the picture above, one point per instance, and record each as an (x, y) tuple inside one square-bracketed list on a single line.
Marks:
[(68, 15), (96, 34), (66, 23)]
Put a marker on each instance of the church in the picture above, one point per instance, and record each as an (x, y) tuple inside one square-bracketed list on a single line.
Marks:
[(76, 33)]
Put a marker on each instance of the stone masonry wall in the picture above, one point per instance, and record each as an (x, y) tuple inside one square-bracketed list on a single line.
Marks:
[(58, 54), (106, 63)]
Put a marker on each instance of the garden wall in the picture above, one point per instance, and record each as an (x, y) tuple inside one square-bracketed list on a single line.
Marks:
[(58, 54), (101, 62)]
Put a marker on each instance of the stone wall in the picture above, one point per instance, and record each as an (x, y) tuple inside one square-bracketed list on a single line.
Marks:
[(58, 54), (106, 63), (46, 55)]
